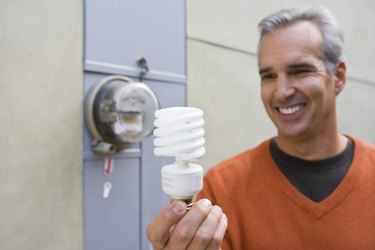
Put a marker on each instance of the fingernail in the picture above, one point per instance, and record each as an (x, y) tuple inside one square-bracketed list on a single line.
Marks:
[(177, 207), (206, 202)]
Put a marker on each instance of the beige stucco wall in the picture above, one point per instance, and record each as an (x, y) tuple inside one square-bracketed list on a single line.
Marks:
[(41, 102), (223, 79), (41, 124)]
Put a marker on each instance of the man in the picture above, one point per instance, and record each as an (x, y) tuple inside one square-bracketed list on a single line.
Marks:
[(310, 187)]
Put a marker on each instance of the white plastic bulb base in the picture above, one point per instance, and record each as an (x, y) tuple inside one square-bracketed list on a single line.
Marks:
[(182, 182)]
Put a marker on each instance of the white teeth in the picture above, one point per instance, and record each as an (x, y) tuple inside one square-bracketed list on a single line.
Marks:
[(290, 110)]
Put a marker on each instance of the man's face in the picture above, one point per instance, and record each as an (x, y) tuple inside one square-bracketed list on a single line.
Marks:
[(296, 89)]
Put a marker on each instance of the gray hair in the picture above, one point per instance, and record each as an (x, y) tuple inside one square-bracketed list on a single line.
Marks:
[(332, 53)]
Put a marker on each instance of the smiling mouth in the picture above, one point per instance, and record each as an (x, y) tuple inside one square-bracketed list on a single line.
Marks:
[(291, 109)]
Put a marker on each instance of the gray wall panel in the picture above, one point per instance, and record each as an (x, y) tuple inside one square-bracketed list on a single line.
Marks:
[(117, 33), (112, 223)]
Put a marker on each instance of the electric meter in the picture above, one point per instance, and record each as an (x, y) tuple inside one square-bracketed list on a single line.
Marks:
[(118, 112)]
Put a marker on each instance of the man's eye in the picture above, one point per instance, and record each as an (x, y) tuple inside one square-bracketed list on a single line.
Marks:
[(299, 72), (268, 76)]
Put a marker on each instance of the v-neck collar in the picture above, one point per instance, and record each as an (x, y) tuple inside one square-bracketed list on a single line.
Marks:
[(319, 209)]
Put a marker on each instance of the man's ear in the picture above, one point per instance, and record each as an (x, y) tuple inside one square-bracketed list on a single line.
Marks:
[(340, 77)]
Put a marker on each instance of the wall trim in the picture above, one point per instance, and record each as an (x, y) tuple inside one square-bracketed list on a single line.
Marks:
[(109, 68)]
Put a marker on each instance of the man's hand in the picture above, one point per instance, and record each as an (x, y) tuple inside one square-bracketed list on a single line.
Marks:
[(203, 227)]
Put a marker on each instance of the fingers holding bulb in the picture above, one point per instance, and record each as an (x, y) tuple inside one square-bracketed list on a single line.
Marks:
[(184, 231), (218, 237), (211, 232), (201, 227)]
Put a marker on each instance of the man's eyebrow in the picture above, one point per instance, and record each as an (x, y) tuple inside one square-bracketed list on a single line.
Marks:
[(301, 65), (264, 70)]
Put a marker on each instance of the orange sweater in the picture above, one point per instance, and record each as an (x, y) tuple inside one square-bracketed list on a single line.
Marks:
[(265, 211)]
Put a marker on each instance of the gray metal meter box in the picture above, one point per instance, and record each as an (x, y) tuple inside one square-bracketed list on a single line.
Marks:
[(118, 34)]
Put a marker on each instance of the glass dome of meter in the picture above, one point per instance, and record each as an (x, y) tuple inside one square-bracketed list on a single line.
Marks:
[(123, 112)]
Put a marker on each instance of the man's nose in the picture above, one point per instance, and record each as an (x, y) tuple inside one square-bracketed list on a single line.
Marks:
[(284, 89)]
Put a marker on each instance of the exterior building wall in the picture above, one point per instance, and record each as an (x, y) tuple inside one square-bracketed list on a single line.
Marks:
[(223, 78), (41, 124)]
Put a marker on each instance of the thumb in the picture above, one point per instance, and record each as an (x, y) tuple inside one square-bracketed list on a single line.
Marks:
[(158, 231)]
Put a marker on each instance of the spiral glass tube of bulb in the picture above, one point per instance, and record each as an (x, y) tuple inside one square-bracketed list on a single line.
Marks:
[(179, 132)]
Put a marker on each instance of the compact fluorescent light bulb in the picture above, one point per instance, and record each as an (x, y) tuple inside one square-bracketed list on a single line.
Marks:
[(179, 132)]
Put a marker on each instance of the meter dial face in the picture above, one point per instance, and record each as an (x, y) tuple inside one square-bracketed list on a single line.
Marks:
[(135, 107), (124, 112)]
